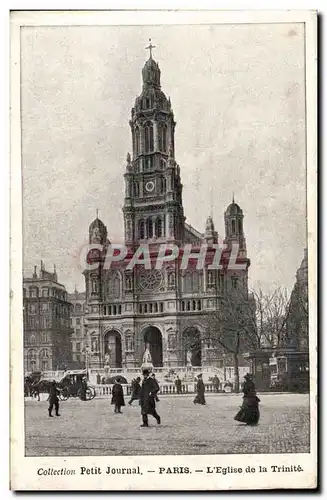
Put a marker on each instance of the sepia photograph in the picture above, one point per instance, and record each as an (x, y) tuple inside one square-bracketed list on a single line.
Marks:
[(166, 253)]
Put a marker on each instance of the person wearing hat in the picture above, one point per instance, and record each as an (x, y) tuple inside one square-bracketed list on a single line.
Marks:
[(83, 389), (200, 389), (249, 412), (53, 399), (136, 387), (148, 394), (117, 396)]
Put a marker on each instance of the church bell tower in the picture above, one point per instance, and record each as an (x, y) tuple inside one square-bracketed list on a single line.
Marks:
[(153, 210)]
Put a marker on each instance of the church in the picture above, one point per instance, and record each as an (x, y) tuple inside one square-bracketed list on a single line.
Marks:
[(162, 310)]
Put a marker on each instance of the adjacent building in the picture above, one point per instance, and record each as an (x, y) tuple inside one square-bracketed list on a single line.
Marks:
[(79, 335), (47, 331), (161, 309)]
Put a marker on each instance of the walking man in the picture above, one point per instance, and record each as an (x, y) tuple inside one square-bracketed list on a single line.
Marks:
[(148, 394), (53, 399), (178, 384), (117, 396), (136, 388)]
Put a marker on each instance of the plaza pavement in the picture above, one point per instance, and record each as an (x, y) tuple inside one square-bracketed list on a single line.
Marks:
[(91, 427)]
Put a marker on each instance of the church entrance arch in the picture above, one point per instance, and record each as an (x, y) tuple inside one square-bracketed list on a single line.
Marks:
[(112, 349), (192, 346), (153, 340)]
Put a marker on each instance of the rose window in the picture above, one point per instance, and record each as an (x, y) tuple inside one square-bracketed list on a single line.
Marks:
[(150, 280)]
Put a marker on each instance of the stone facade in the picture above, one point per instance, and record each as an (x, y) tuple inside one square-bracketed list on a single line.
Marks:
[(47, 330), (164, 309), (78, 339)]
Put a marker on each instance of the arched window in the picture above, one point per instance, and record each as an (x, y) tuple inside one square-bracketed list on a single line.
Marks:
[(162, 163), (148, 137), (158, 227), (115, 310), (163, 185), (141, 230), (150, 228), (240, 226), (136, 190), (32, 339), (119, 309), (195, 282), (183, 305), (188, 283), (137, 140), (116, 287), (162, 137), (233, 226)]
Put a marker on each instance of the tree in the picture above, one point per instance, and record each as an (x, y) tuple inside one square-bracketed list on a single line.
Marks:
[(244, 322), (231, 328)]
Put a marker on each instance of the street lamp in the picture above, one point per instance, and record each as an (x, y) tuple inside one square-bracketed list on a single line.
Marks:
[(86, 352), (224, 366)]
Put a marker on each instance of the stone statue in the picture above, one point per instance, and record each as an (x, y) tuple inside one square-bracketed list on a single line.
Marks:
[(107, 359), (147, 360)]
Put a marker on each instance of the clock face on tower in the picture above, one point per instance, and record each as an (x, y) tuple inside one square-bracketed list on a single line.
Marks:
[(149, 186)]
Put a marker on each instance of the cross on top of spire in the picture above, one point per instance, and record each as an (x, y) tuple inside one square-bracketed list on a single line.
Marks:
[(150, 47)]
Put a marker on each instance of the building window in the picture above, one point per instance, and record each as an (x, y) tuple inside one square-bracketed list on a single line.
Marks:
[(137, 140), (162, 137), (45, 306), (161, 307), (78, 346), (158, 227), (141, 230), (234, 282), (32, 339), (78, 321), (44, 292), (148, 137), (44, 337), (150, 228), (78, 308), (33, 292), (32, 322), (233, 226)]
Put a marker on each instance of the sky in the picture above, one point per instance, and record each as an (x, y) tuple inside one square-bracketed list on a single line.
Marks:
[(238, 96)]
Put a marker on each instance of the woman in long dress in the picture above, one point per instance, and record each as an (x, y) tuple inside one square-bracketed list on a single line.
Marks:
[(117, 397), (249, 412), (199, 398)]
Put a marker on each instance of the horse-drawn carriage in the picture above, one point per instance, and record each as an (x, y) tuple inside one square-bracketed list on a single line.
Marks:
[(71, 386)]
